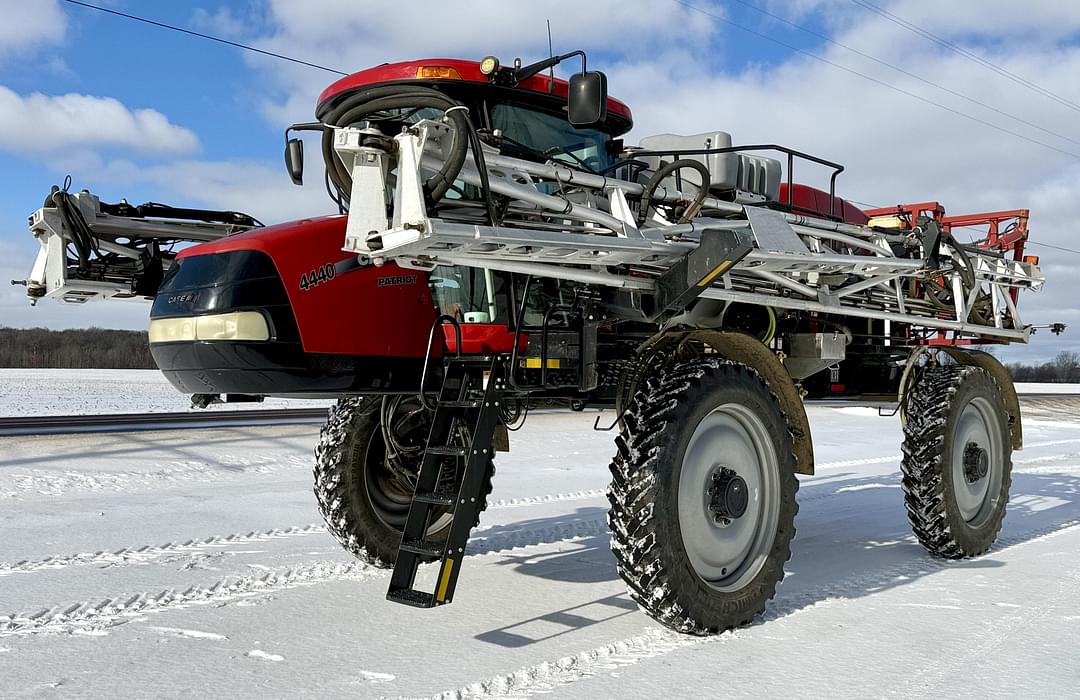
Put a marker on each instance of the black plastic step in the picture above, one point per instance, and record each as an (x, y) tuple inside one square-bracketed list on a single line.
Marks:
[(436, 498), (471, 360), (447, 450), (409, 596), (424, 549), (467, 403)]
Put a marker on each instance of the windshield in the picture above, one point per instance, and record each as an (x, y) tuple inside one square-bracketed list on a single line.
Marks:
[(552, 136)]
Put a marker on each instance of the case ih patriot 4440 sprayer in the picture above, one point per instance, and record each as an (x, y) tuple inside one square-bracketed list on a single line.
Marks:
[(498, 245)]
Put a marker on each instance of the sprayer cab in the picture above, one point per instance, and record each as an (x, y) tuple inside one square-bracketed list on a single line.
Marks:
[(527, 112)]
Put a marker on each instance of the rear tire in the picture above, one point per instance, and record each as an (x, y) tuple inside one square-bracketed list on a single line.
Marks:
[(362, 500), (697, 562), (955, 500)]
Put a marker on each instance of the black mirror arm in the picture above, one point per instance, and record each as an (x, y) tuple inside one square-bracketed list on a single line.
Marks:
[(532, 69), (306, 126)]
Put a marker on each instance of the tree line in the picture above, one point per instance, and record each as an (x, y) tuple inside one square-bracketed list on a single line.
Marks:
[(102, 348), (1065, 367), (83, 348)]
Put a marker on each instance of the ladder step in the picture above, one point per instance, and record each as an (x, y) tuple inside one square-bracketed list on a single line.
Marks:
[(409, 596), (471, 360), (425, 549), (467, 403), (447, 450), (436, 499)]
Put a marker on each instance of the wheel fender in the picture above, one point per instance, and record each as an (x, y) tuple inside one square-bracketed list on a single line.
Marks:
[(748, 350), (986, 361)]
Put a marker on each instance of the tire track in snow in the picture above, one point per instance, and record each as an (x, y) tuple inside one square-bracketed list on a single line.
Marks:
[(550, 498), (227, 589), (928, 680), (227, 467), (119, 609), (148, 553), (548, 675)]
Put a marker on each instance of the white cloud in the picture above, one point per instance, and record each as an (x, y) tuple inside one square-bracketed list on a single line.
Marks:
[(38, 124), (224, 21), (351, 36), (30, 25)]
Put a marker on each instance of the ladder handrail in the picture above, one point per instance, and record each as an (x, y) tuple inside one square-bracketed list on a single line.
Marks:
[(438, 323)]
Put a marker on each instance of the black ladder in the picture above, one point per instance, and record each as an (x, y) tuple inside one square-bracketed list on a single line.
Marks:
[(471, 395)]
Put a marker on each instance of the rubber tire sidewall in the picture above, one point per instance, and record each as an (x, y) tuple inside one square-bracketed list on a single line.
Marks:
[(340, 462), (692, 605), (965, 540)]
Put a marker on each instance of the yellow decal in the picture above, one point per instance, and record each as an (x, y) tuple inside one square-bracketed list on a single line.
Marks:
[(534, 363), (712, 275), (445, 582)]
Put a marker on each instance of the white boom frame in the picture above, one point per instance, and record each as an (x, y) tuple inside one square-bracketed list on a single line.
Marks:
[(798, 262), (52, 268)]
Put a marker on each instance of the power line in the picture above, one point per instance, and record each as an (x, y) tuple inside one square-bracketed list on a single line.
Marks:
[(210, 37), (872, 79), (1055, 247), (926, 34), (921, 79)]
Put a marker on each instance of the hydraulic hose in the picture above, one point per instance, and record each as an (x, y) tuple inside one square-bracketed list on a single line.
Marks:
[(665, 171), (363, 104), (82, 238)]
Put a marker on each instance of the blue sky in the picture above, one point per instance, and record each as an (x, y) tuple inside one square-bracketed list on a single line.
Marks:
[(215, 137)]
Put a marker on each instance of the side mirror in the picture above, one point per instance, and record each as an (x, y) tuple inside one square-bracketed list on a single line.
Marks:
[(294, 160), (587, 98)]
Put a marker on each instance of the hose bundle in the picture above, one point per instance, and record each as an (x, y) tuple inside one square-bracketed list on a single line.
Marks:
[(365, 104), (82, 238)]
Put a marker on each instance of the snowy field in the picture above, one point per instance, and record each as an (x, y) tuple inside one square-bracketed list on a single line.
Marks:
[(70, 392), (193, 563), (64, 392)]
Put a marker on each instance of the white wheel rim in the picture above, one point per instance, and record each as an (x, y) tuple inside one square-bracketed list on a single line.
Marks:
[(727, 556), (977, 499)]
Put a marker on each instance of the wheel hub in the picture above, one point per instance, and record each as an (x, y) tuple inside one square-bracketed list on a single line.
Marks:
[(728, 496), (976, 462)]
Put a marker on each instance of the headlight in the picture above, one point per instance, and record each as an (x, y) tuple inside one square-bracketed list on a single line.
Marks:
[(238, 325)]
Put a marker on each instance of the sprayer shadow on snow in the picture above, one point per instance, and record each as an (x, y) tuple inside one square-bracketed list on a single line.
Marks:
[(559, 622), (853, 541)]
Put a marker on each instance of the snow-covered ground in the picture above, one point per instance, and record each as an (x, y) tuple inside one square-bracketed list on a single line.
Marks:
[(68, 392), (1046, 388), (43, 392), (193, 563)]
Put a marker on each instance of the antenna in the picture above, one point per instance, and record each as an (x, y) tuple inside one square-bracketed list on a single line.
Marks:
[(551, 54)]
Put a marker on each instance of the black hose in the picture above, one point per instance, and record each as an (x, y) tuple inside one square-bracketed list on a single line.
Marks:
[(81, 236), (359, 105), (481, 167), (665, 171)]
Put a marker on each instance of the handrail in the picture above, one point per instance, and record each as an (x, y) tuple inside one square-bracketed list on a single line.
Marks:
[(519, 321), (791, 153), (438, 323), (552, 310)]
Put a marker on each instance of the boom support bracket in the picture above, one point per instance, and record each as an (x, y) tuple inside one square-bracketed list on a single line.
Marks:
[(686, 279)]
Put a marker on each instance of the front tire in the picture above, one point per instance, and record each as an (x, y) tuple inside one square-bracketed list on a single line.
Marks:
[(703, 496), (362, 495), (957, 462)]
